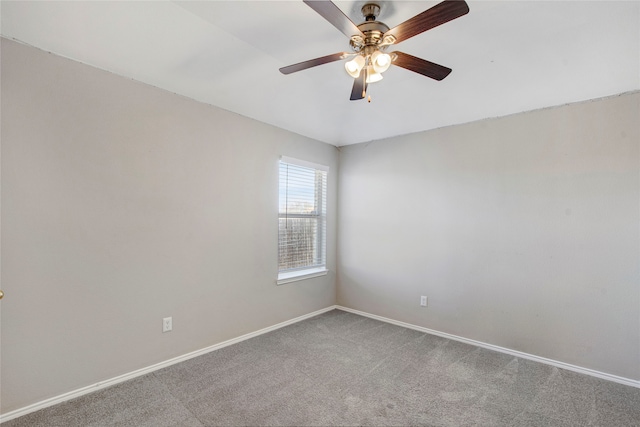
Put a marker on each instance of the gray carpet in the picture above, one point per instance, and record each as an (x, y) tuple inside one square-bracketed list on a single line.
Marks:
[(342, 369)]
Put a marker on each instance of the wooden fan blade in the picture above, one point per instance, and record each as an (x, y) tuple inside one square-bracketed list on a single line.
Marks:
[(430, 18), (359, 89), (313, 63), (420, 66), (329, 11)]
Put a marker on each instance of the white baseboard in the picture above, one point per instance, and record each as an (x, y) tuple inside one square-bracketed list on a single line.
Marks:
[(567, 366), (125, 377)]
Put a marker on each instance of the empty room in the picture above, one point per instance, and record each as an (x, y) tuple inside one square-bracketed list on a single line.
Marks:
[(297, 213)]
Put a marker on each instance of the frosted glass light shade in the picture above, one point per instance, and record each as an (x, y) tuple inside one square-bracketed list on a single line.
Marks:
[(372, 75), (381, 61), (354, 66)]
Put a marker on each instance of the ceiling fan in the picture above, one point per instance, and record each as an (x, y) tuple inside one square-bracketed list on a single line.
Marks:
[(370, 40)]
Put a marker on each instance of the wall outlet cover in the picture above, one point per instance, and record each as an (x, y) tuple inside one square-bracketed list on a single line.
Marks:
[(167, 324)]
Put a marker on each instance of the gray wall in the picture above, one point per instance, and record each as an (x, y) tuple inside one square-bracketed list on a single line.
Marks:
[(123, 204), (523, 231)]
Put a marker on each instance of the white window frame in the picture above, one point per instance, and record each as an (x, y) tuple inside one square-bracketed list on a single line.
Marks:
[(287, 276)]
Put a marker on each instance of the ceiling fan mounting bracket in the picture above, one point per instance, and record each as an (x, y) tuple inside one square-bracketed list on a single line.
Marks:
[(370, 11)]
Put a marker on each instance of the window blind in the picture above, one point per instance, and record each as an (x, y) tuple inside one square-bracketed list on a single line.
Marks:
[(302, 216)]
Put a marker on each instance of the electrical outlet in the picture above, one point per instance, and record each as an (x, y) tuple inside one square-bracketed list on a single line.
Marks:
[(167, 324), (423, 301)]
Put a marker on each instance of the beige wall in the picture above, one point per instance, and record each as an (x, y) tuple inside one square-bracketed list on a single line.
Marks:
[(123, 204), (523, 231)]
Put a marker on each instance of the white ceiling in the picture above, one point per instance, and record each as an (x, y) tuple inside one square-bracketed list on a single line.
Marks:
[(507, 57)]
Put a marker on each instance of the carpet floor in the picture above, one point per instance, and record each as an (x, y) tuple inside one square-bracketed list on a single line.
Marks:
[(339, 368)]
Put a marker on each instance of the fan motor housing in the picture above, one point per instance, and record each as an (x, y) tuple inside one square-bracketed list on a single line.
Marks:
[(373, 35), (373, 31)]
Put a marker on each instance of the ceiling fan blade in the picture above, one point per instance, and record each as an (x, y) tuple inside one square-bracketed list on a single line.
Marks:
[(359, 89), (420, 66), (313, 62), (430, 18), (329, 11)]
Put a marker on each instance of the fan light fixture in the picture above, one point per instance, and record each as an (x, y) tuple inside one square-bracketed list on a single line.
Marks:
[(354, 66), (372, 75), (381, 61)]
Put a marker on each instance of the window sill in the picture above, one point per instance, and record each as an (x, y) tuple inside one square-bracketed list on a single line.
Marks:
[(294, 276)]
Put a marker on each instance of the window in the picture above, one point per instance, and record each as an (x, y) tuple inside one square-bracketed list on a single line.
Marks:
[(302, 220)]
